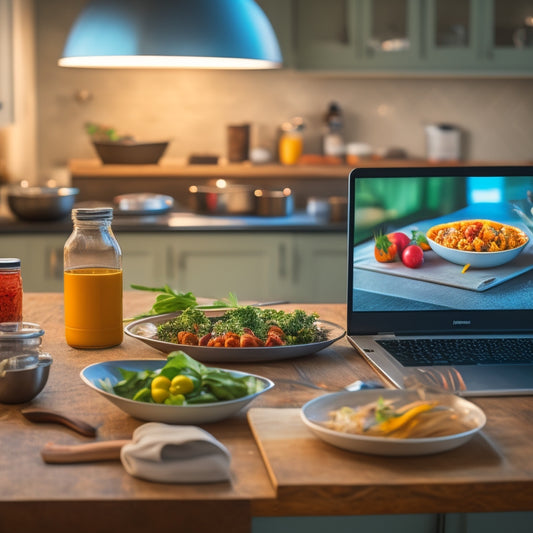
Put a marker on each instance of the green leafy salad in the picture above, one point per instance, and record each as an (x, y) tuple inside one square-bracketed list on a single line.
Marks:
[(295, 327), (182, 381)]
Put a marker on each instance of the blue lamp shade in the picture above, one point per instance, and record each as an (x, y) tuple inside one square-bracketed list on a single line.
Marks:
[(233, 34)]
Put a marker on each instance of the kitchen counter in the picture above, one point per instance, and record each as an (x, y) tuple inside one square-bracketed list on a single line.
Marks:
[(275, 473), (184, 221)]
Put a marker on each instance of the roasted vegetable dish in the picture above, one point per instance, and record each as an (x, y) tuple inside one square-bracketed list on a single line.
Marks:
[(244, 326), (477, 236), (182, 381)]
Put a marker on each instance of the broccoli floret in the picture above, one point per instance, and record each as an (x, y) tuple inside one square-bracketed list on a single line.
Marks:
[(192, 320), (235, 320)]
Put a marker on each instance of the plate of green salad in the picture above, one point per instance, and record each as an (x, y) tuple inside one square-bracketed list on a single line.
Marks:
[(241, 334), (178, 391)]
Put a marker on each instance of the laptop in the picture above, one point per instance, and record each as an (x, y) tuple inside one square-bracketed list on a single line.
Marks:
[(464, 316)]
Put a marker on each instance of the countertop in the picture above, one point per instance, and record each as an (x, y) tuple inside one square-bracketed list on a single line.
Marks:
[(183, 221), (273, 473)]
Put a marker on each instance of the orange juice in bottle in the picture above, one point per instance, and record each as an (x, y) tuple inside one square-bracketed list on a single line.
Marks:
[(291, 142), (92, 281)]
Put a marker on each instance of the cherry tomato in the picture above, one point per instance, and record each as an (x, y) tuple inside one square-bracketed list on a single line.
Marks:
[(401, 240), (413, 256), (384, 250)]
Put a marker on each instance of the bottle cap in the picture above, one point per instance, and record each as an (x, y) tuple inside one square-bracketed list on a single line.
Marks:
[(9, 262), (92, 213)]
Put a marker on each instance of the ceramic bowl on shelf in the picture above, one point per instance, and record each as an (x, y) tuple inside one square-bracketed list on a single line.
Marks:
[(130, 153)]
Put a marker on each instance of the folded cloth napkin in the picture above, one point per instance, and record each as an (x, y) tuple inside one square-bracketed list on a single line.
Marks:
[(175, 454)]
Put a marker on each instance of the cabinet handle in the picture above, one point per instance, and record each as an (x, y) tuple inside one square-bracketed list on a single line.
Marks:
[(54, 263), (282, 262)]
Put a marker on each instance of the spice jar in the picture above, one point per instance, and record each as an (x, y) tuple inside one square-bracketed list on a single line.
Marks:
[(92, 281), (10, 290)]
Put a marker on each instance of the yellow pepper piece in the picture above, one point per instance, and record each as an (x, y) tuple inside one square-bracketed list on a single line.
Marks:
[(160, 389), (392, 424), (181, 385), (465, 268)]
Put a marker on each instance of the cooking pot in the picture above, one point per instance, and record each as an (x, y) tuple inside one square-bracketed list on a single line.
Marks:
[(41, 203), (142, 204), (224, 199), (273, 203)]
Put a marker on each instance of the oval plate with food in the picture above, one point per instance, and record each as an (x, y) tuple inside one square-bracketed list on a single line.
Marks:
[(92, 376), (317, 413), (145, 330)]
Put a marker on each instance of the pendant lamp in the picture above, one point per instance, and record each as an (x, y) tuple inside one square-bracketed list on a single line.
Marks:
[(230, 34)]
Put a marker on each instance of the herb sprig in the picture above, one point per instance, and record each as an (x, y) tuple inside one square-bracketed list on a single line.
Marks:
[(170, 301)]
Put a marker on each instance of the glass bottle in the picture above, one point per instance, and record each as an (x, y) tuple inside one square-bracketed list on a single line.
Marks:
[(333, 142), (92, 281), (290, 146), (10, 290)]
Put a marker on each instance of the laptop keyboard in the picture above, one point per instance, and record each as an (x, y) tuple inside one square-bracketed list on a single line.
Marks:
[(430, 352)]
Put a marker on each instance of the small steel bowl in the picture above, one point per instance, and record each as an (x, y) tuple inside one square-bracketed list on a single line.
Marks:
[(41, 203), (20, 385)]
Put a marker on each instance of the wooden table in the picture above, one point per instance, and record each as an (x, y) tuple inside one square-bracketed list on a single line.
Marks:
[(278, 467)]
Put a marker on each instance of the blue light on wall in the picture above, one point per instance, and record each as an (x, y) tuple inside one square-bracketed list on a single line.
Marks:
[(172, 34)]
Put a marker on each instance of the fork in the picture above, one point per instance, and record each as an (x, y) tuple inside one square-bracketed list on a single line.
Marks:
[(355, 386)]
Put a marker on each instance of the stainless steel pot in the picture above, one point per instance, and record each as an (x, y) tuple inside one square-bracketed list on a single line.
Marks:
[(226, 200), (273, 203), (142, 204), (41, 203)]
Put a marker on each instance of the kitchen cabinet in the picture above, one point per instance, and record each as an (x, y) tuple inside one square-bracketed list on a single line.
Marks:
[(298, 267), (469, 37), (6, 62)]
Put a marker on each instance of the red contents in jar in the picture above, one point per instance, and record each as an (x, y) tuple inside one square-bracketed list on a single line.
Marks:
[(10, 297)]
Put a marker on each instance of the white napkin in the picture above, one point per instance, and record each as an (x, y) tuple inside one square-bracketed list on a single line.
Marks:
[(175, 454)]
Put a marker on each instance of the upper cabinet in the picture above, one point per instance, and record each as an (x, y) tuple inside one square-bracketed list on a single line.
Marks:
[(465, 37), (6, 63)]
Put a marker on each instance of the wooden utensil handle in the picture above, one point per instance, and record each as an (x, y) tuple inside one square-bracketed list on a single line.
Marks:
[(83, 453), (49, 415)]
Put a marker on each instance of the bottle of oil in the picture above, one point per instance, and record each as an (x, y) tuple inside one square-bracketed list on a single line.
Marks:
[(92, 281), (333, 142)]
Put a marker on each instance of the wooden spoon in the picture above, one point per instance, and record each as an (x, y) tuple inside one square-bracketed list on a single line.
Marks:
[(48, 415)]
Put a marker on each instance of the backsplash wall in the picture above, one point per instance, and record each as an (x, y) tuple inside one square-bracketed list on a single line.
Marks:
[(193, 108)]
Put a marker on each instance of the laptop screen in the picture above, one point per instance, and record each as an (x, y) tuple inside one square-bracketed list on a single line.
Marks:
[(471, 270)]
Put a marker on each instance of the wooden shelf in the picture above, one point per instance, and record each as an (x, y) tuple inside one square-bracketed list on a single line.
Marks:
[(175, 169)]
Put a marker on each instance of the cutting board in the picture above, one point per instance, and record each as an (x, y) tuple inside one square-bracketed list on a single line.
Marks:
[(301, 466)]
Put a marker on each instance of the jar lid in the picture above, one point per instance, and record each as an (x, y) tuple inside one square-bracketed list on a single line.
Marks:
[(92, 213), (9, 262), (19, 330)]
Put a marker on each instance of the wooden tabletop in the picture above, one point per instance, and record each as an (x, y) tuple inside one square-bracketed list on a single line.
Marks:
[(278, 467)]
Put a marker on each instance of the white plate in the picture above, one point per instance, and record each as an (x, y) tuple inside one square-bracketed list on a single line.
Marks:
[(145, 330), (315, 412), (154, 412)]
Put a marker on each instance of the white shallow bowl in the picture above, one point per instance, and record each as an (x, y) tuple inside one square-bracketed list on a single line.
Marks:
[(170, 414), (475, 259), (315, 412)]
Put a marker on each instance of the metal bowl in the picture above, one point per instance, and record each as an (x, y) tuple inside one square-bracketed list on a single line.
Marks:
[(41, 203), (20, 385)]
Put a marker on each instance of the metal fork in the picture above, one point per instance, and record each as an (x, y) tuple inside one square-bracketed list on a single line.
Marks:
[(355, 386)]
